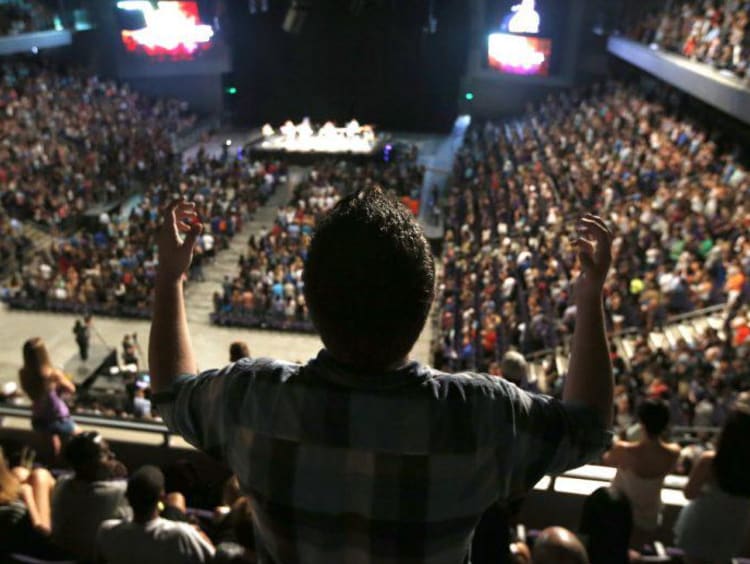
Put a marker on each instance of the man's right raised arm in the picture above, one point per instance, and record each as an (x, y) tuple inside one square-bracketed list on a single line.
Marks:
[(589, 380)]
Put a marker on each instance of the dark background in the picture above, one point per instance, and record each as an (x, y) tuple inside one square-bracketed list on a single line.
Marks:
[(377, 65)]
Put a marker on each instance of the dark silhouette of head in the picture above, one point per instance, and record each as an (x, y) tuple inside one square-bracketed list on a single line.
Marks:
[(369, 280), (556, 545), (733, 450), (238, 350), (145, 490), (91, 458), (653, 414), (607, 523)]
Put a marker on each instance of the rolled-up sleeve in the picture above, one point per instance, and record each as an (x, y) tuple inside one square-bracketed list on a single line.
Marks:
[(552, 437), (195, 408)]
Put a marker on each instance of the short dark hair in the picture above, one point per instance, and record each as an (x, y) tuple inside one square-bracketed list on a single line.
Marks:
[(145, 488), (238, 350), (607, 523), (369, 280), (654, 416)]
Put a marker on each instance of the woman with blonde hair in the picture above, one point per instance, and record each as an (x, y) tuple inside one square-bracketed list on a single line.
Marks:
[(43, 383)]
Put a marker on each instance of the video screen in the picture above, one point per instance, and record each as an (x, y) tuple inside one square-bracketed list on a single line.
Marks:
[(518, 54), (167, 30), (526, 37)]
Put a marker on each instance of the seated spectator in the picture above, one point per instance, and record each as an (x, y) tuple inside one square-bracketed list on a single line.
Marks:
[(44, 383), (556, 545), (714, 525), (365, 427), (606, 527), (24, 511), (149, 538), (94, 493), (242, 549), (643, 465)]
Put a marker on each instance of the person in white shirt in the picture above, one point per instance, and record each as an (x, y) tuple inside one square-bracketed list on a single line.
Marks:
[(149, 538)]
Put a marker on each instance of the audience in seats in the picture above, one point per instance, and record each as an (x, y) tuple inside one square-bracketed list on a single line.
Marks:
[(716, 522), (26, 16), (643, 465), (149, 538), (71, 141), (715, 33), (44, 384), (677, 202), (95, 492)]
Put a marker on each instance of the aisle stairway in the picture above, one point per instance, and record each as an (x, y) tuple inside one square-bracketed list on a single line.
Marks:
[(199, 295)]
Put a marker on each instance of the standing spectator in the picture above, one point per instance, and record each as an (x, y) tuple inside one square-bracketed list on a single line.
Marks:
[(83, 338), (43, 384), (93, 494), (149, 538), (713, 526), (642, 466), (362, 405)]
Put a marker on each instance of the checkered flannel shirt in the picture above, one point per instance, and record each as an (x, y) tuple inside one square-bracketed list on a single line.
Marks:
[(397, 467)]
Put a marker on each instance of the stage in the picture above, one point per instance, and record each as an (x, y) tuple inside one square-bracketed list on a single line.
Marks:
[(305, 143)]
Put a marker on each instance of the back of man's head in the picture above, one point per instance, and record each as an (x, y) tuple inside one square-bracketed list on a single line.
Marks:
[(654, 416), (145, 489), (556, 545), (369, 280)]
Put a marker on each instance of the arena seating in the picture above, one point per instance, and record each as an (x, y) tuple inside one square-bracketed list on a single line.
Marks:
[(715, 33)]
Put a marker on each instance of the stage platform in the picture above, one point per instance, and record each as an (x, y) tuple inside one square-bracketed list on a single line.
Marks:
[(305, 143)]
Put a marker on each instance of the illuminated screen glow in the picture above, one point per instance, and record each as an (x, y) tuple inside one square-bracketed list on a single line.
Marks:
[(173, 30), (524, 18), (517, 54)]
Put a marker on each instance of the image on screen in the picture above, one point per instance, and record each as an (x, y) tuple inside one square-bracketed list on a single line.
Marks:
[(168, 31), (519, 54)]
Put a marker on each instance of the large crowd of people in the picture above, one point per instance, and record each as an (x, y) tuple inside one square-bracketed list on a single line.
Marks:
[(72, 140), (677, 202), (109, 269), (712, 32), (24, 16), (268, 290)]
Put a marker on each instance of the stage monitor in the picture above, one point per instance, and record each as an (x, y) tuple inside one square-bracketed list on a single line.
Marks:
[(169, 30), (517, 54), (167, 38), (525, 37)]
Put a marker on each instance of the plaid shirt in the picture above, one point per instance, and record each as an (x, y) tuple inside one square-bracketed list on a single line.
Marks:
[(398, 467)]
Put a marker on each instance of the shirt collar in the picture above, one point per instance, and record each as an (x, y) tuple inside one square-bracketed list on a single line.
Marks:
[(328, 368)]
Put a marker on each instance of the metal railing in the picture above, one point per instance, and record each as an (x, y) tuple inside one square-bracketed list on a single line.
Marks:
[(102, 421)]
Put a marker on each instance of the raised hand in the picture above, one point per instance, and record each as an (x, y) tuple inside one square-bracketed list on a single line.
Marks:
[(595, 253), (179, 231)]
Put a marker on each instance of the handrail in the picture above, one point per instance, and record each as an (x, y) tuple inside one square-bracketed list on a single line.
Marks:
[(154, 428), (672, 320)]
